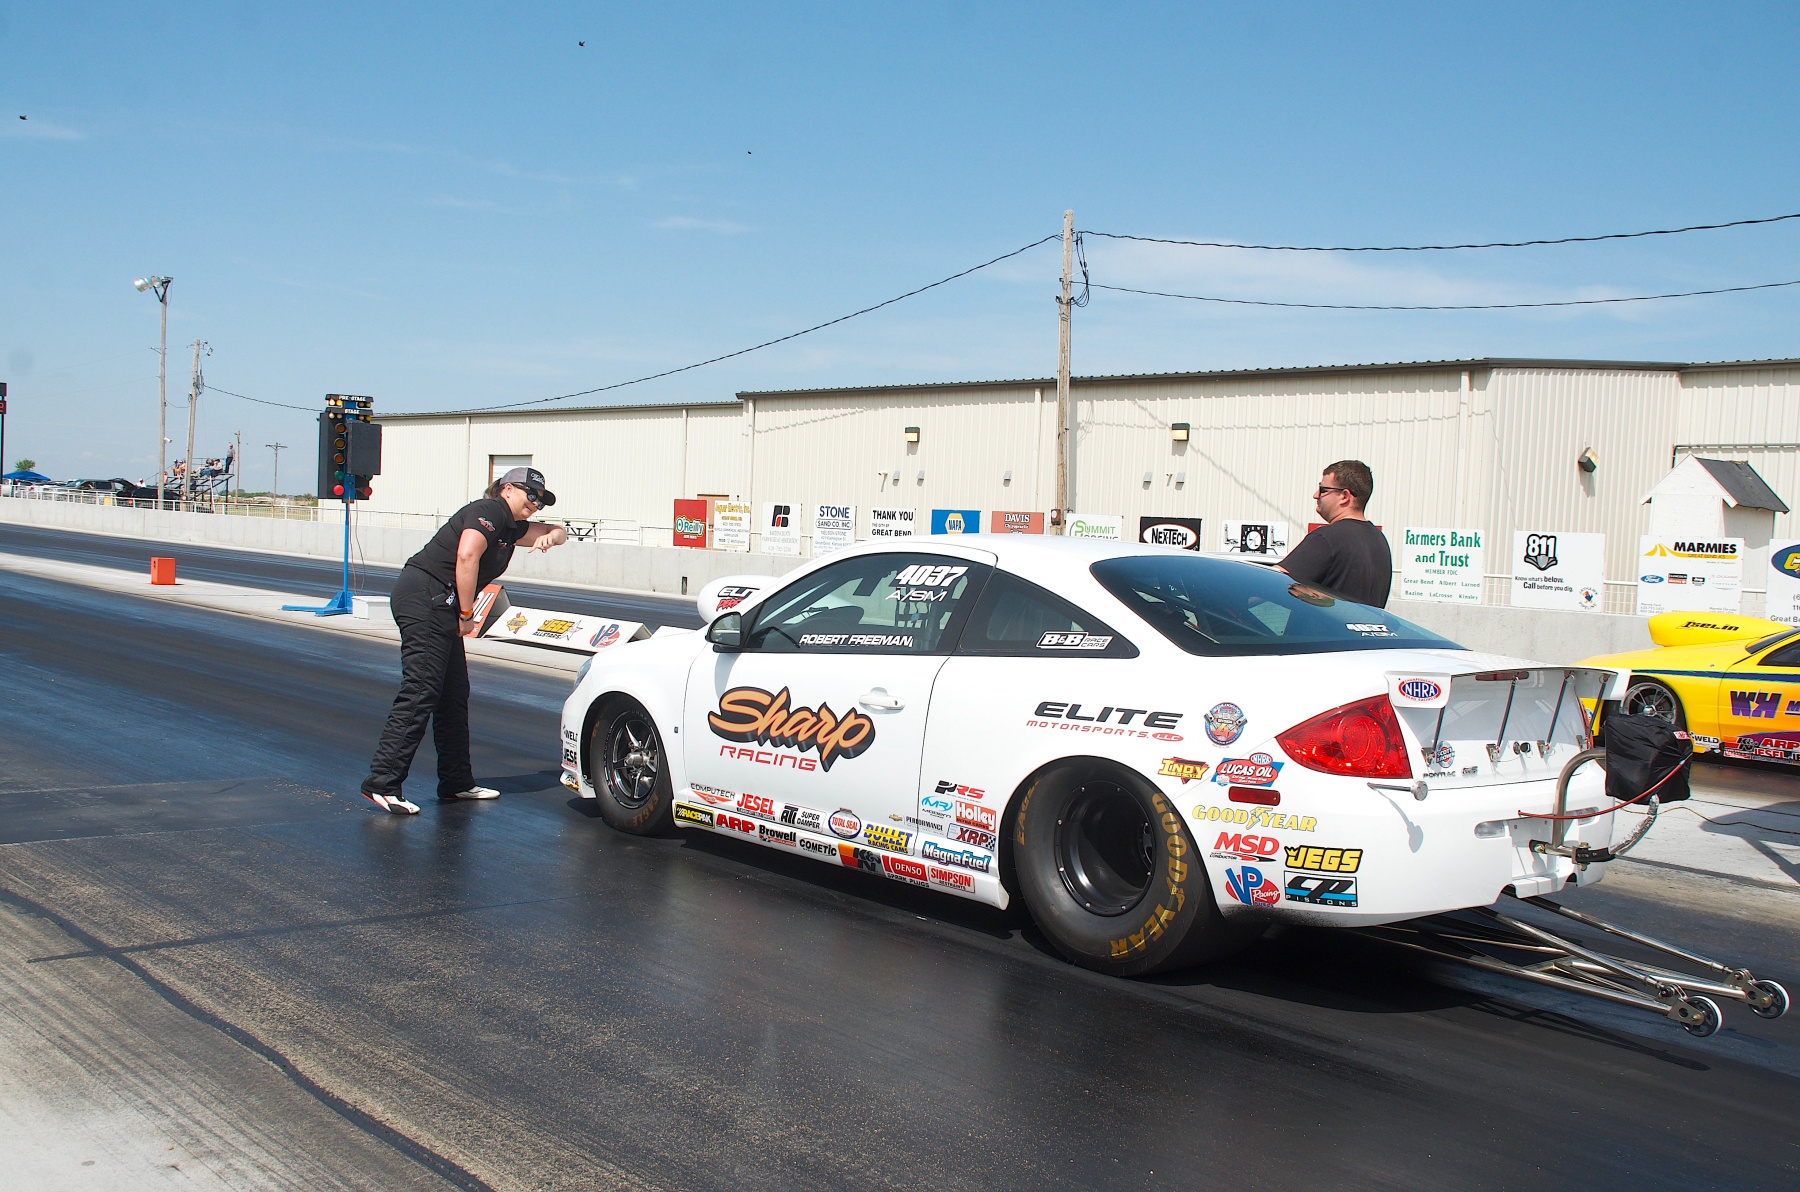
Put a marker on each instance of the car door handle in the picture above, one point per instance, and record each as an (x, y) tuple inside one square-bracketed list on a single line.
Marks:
[(879, 700)]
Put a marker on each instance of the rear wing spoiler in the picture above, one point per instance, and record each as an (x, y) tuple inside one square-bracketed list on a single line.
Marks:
[(497, 618)]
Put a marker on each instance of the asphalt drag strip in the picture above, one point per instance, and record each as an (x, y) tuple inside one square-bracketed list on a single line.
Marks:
[(211, 944)]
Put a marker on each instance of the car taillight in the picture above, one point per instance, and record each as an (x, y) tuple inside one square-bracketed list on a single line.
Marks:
[(1360, 740)]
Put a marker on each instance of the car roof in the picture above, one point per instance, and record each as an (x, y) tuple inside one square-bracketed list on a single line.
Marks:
[(1052, 559)]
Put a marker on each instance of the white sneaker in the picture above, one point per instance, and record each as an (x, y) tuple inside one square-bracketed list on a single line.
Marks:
[(474, 792), (395, 804)]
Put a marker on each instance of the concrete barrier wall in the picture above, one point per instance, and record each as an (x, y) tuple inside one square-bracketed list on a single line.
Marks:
[(588, 564), (1526, 633)]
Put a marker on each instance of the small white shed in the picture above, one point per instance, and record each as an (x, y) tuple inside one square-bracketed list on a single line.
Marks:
[(1718, 498)]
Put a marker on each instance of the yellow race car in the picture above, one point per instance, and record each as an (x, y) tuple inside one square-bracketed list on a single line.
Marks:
[(1732, 682)]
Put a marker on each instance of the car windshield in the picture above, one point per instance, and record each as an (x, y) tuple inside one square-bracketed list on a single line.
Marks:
[(1222, 608)]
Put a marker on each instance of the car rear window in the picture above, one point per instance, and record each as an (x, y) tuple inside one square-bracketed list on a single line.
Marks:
[(1222, 608)]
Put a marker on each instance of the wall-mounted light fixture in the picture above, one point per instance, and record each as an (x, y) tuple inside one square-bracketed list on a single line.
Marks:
[(1178, 432), (921, 476), (1180, 478), (1146, 480), (1588, 460), (1006, 476), (912, 434)]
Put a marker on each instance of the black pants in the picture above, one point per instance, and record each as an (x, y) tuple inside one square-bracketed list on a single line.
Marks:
[(434, 686)]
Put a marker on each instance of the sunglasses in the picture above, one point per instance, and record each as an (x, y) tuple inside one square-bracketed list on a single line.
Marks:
[(1326, 488), (531, 494)]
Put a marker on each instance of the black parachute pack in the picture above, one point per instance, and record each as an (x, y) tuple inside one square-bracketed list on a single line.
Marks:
[(1643, 751)]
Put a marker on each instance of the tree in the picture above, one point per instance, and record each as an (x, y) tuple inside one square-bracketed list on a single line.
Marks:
[(24, 465)]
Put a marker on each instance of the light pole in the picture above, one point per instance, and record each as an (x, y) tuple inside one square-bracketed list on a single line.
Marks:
[(161, 286), (275, 482)]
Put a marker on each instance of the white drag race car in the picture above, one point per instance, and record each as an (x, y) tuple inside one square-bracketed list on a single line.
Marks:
[(1160, 752)]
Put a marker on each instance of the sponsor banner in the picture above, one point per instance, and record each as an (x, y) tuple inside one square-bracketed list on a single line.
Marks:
[(834, 527), (690, 522), (1555, 569), (1441, 564), (780, 530), (1689, 575), (1183, 532), (1783, 601), (956, 521), (887, 522), (1002, 521), (563, 631), (731, 526), (1255, 538), (1110, 526)]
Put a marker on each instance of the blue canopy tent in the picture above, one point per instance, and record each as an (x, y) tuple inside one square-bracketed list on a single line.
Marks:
[(28, 477)]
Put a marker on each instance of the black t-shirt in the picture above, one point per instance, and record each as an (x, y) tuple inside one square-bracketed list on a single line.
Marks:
[(492, 520), (1349, 557)]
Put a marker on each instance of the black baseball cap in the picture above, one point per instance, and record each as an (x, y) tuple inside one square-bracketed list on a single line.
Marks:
[(531, 478)]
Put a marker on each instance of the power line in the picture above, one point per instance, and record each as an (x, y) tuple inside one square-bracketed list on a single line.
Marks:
[(212, 388), (1772, 285), (1735, 223), (540, 401)]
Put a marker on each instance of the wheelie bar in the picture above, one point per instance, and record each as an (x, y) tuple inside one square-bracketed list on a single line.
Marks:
[(1549, 959), (1766, 999)]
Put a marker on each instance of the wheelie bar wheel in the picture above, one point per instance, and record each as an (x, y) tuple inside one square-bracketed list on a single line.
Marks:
[(1768, 999), (1698, 1015)]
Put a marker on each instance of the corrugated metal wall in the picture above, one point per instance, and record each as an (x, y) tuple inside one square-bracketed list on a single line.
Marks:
[(1488, 448), (1257, 446)]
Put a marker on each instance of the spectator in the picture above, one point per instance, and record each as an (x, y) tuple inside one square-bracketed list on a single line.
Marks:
[(1347, 555)]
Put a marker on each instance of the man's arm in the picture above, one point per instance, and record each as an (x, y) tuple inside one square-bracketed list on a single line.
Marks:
[(1307, 560), (538, 536)]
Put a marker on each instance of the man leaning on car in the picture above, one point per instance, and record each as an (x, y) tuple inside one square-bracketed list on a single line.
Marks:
[(1347, 555)]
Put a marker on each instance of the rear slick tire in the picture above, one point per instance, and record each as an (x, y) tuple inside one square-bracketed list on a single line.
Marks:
[(1112, 878), (630, 770)]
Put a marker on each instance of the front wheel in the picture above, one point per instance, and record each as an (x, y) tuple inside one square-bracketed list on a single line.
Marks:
[(1647, 697), (1112, 877), (629, 769)]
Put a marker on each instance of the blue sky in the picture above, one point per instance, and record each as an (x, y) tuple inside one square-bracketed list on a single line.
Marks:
[(455, 205)]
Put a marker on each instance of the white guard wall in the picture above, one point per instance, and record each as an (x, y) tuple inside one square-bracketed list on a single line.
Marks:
[(1489, 445)]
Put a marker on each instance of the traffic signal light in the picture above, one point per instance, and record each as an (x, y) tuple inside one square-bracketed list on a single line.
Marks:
[(349, 448)]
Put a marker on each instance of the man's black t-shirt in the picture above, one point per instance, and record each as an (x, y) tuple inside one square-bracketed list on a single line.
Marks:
[(1349, 557), (490, 518)]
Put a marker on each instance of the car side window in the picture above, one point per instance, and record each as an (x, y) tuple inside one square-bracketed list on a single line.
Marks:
[(1788, 655), (884, 603), (1015, 618)]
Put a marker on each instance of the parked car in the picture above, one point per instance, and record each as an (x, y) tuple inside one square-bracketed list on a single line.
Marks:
[(1160, 752)]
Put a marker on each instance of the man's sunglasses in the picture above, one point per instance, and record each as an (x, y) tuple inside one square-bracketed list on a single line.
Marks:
[(1326, 488)]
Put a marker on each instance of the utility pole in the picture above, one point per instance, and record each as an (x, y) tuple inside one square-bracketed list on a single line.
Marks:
[(237, 463), (1062, 376), (275, 483), (187, 475)]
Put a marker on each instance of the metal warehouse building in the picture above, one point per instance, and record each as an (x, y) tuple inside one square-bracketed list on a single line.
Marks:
[(1491, 444)]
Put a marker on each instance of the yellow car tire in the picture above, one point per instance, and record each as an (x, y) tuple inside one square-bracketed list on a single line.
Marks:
[(1647, 697)]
